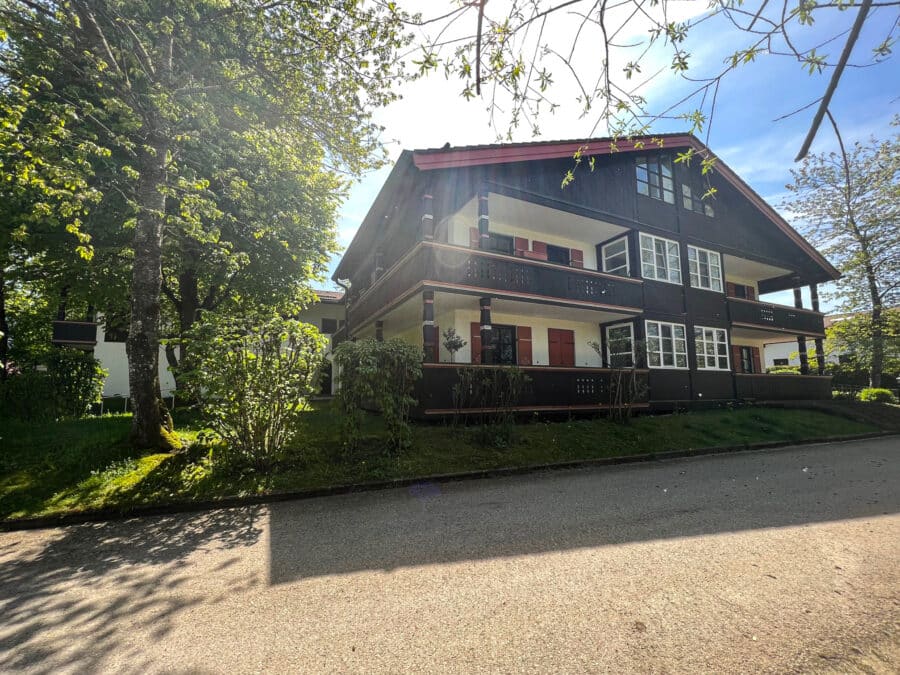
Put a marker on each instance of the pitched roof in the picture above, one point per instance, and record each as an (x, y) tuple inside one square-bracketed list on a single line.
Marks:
[(329, 296)]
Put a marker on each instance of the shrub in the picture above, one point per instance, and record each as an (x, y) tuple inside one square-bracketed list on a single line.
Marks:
[(76, 378), (252, 378), (379, 374), (496, 392), (784, 370), (874, 395), (71, 383), (28, 395)]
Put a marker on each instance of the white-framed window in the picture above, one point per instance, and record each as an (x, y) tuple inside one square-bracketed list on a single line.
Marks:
[(666, 345), (620, 345), (706, 269), (615, 257), (654, 178), (692, 200), (660, 259), (711, 346)]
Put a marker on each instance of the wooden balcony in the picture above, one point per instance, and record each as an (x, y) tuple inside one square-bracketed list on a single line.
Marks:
[(473, 271), (75, 333), (783, 387), (777, 318), (550, 389)]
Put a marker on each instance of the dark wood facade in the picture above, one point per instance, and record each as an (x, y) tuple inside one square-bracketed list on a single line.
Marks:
[(405, 249)]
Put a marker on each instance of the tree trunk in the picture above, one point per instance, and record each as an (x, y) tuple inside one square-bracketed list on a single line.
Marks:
[(877, 364), (4, 326), (142, 345)]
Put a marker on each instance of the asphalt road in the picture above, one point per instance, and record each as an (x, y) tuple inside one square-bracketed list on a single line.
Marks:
[(779, 561)]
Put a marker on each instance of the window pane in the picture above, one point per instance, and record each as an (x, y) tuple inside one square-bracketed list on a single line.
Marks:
[(723, 362), (653, 358), (680, 346), (666, 330), (643, 189), (679, 332), (653, 329), (666, 167), (668, 360), (681, 361), (648, 271)]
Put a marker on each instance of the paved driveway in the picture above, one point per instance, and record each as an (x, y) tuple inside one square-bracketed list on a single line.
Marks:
[(774, 561)]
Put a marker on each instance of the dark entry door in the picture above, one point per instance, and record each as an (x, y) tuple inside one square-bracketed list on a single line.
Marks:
[(504, 344)]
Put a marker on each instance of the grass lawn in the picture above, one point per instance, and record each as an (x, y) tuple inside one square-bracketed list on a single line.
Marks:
[(75, 465)]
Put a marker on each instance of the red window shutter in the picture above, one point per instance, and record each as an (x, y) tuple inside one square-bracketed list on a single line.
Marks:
[(520, 244), (730, 290), (757, 364), (539, 249), (474, 238), (576, 258), (736, 358), (475, 341), (553, 341), (568, 348), (751, 293), (523, 345), (562, 347)]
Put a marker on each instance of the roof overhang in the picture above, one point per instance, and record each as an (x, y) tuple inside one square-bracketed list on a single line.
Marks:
[(428, 160)]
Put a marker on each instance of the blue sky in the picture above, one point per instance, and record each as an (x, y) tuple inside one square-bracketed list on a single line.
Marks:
[(743, 132)]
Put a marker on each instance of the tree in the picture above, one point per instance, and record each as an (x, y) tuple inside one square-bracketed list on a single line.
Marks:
[(453, 342), (45, 195), (526, 58), (172, 74), (851, 338), (850, 202)]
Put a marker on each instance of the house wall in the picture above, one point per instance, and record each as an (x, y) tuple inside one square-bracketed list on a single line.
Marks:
[(113, 359), (459, 224), (789, 351)]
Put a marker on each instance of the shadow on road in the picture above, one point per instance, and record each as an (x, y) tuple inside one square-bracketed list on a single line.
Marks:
[(144, 561), (438, 523)]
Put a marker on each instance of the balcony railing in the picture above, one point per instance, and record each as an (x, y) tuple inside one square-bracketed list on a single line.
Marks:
[(549, 389), (776, 317), (464, 268), (787, 387), (78, 333)]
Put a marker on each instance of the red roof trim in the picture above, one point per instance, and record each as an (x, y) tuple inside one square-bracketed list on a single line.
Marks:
[(446, 159)]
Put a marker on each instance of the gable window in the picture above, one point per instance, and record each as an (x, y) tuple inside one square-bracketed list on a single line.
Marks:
[(615, 257), (705, 268), (692, 200), (620, 345), (666, 345), (711, 346), (654, 178), (660, 259)]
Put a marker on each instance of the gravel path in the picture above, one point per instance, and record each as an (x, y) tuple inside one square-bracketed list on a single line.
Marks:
[(779, 561)]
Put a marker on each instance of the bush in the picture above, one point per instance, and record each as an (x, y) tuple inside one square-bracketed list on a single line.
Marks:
[(784, 370), (72, 382), (874, 395), (496, 393), (28, 395), (381, 374), (77, 381), (252, 379)]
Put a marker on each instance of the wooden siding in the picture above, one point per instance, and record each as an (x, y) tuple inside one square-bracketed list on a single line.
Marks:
[(767, 316)]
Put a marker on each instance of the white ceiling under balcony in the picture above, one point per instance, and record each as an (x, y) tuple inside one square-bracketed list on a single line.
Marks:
[(519, 214), (750, 270)]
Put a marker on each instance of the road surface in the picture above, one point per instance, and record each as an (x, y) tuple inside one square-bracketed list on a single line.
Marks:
[(778, 561)]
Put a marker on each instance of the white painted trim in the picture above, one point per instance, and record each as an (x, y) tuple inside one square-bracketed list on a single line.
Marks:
[(653, 238), (624, 238), (727, 349), (631, 330), (708, 252), (661, 365)]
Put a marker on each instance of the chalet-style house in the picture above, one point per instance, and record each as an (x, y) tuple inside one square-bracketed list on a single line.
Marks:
[(487, 240)]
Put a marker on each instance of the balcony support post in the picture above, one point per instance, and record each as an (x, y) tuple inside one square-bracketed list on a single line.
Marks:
[(820, 347), (379, 263), (484, 220), (429, 330), (487, 344), (427, 217), (379, 331), (801, 339)]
